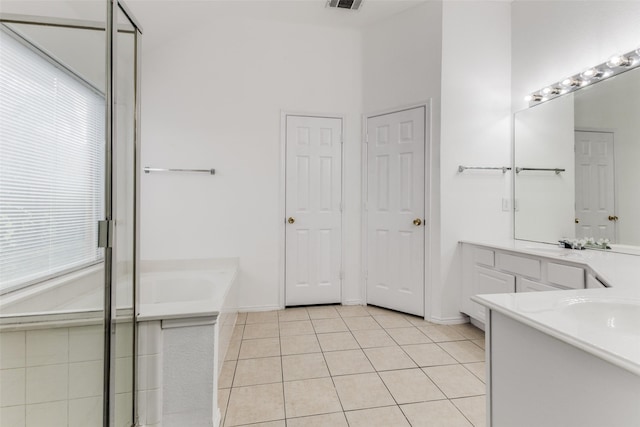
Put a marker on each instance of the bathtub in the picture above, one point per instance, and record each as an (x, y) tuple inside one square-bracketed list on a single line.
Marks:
[(186, 315)]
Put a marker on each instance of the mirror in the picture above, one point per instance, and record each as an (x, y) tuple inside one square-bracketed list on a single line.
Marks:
[(592, 138)]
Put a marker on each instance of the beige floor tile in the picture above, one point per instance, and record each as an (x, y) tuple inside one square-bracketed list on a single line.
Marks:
[(338, 341), (237, 333), (410, 386), (418, 321), (478, 369), (261, 330), (439, 413), (373, 338), (226, 374), (362, 391), (347, 362), (323, 312), (304, 366), (464, 351), (241, 319), (311, 397), (233, 351), (258, 371), (299, 344), (389, 358), (469, 331), (292, 314), (298, 327), (280, 423), (393, 321), (474, 408), (323, 326), (404, 336), (455, 381), (336, 419), (386, 416), (428, 354), (262, 317), (361, 323), (352, 310), (223, 400), (441, 333), (479, 343), (261, 347), (255, 404), (379, 311)]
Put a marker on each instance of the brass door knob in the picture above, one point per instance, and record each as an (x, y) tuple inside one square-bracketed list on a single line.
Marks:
[(291, 220), (577, 220), (613, 218), (417, 221)]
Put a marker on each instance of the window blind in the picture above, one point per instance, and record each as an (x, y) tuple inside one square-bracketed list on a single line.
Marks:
[(52, 144)]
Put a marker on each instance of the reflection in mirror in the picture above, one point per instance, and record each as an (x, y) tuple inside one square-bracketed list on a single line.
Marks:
[(594, 134)]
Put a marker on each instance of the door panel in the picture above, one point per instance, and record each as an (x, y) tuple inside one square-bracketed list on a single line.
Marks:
[(313, 208), (595, 187), (395, 198)]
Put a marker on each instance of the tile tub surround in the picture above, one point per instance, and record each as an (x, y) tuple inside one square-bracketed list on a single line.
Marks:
[(356, 366), (542, 310), (53, 376)]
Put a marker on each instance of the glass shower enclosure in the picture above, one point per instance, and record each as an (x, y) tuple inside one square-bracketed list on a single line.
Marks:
[(69, 144)]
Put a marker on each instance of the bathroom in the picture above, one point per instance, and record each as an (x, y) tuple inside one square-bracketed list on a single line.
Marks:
[(204, 65)]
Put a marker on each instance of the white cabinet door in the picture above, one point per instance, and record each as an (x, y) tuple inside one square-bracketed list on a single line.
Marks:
[(525, 285), (488, 281), (395, 210), (314, 219)]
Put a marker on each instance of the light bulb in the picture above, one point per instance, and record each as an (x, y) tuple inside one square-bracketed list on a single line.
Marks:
[(570, 82), (534, 97), (618, 61), (592, 73)]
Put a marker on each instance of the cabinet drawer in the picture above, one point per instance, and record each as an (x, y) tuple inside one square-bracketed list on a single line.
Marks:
[(519, 265), (526, 285), (483, 256), (564, 275), (489, 281)]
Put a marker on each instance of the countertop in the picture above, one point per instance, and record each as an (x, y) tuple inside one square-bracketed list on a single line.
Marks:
[(598, 328)]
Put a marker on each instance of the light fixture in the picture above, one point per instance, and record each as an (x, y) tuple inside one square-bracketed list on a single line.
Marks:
[(619, 61), (617, 64)]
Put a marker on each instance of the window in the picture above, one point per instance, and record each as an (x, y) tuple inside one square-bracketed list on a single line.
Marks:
[(52, 139)]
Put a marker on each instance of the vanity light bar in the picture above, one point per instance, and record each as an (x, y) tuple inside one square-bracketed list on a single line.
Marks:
[(617, 64)]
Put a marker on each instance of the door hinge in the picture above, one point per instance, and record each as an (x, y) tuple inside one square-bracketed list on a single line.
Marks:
[(366, 138), (105, 233)]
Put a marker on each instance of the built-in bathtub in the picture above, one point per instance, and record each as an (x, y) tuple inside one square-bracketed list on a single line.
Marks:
[(187, 309), (186, 317)]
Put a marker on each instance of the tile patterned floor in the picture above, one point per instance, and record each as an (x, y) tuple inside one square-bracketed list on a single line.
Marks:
[(351, 366)]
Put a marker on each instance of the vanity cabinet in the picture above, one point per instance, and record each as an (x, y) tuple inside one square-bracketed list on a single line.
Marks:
[(492, 271)]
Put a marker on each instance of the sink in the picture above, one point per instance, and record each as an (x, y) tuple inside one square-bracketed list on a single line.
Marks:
[(620, 316), (550, 249)]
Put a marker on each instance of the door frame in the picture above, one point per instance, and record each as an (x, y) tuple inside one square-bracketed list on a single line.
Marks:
[(282, 200), (428, 199)]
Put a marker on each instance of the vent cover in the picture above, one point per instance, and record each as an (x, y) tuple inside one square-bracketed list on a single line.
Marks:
[(345, 4)]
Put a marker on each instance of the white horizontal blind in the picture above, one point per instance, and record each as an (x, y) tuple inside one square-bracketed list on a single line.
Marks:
[(52, 143)]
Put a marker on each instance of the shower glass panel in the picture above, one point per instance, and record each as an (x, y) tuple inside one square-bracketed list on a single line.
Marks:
[(125, 215), (67, 160)]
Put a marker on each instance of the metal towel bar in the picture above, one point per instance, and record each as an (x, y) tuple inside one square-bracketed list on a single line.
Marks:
[(504, 169), (147, 169), (556, 170)]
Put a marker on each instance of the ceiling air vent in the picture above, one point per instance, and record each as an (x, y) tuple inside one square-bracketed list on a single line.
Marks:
[(345, 4)]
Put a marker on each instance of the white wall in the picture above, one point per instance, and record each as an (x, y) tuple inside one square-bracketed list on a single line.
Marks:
[(212, 98), (476, 123)]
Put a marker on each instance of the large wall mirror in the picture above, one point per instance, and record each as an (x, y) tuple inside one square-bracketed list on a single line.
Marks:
[(587, 145)]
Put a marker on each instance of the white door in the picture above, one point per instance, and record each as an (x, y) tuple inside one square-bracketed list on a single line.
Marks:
[(595, 187), (395, 210), (313, 210)]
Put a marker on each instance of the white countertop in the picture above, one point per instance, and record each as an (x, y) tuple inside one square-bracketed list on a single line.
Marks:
[(607, 336)]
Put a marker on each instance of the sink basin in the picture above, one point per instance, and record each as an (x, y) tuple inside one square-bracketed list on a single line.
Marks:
[(613, 315)]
